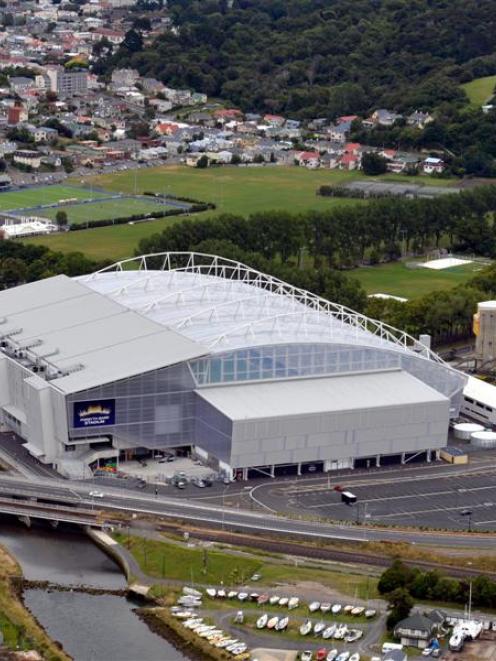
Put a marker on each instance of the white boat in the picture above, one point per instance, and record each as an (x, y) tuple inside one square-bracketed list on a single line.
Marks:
[(319, 628), (306, 628), (272, 623), (331, 655), (283, 601), (329, 631), (274, 600), (314, 606), (370, 612), (355, 657), (232, 594), (184, 614), (456, 641), (358, 610), (336, 608), (224, 642), (344, 656), (240, 617), (210, 635), (243, 596), (294, 602), (239, 649), (262, 621), (192, 592), (348, 608), (353, 635), (211, 592), (282, 624), (325, 607), (340, 632), (221, 594)]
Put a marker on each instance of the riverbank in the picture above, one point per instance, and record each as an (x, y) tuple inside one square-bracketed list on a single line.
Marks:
[(20, 629)]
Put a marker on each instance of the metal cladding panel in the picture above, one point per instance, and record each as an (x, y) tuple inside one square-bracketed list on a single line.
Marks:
[(83, 338)]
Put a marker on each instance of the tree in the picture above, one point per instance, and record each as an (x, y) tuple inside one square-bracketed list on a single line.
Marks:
[(61, 218), (133, 41), (202, 162), (400, 605), (373, 164), (398, 575)]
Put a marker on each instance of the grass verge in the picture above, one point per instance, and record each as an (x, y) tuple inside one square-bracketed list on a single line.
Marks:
[(20, 630)]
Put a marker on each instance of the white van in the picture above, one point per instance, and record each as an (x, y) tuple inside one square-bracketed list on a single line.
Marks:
[(389, 647)]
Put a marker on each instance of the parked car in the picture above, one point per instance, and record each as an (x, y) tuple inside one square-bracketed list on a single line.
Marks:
[(96, 494)]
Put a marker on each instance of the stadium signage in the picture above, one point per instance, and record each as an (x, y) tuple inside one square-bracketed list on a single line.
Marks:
[(94, 413)]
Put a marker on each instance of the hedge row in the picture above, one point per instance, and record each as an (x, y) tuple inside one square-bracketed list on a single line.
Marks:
[(195, 208)]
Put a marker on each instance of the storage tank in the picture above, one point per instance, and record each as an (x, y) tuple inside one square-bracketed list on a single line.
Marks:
[(464, 430), (483, 439)]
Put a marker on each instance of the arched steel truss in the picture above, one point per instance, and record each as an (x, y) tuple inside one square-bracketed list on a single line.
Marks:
[(228, 271)]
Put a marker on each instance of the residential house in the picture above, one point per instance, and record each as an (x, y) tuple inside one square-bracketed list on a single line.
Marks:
[(417, 630), (433, 165), (339, 132), (28, 158), (419, 119), (43, 133), (274, 120), (385, 117), (20, 84), (124, 77), (308, 159), (17, 114)]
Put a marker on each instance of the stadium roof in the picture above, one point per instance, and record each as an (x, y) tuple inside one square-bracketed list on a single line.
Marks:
[(84, 339), (318, 395), (226, 305)]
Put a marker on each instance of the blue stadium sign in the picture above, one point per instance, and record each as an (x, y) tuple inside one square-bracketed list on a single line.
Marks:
[(94, 414)]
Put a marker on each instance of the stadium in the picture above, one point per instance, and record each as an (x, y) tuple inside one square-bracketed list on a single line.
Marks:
[(184, 350)]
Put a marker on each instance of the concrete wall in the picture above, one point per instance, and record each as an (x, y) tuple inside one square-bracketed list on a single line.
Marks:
[(340, 435)]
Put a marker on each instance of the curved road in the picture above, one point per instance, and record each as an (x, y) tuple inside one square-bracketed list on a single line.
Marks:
[(116, 499)]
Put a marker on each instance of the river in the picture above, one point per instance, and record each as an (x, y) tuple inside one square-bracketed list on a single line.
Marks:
[(90, 627)]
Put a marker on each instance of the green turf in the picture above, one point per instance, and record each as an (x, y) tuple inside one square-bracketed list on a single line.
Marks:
[(399, 280), (105, 210), (32, 197), (174, 561), (480, 90), (233, 190)]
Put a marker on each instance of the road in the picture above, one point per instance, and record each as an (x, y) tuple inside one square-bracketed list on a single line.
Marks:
[(116, 499)]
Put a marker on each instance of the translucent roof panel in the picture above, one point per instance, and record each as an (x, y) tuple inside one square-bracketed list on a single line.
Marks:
[(226, 305)]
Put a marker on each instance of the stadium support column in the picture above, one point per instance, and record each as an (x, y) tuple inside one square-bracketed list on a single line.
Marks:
[(378, 461), (428, 456), (437, 454), (403, 456), (272, 471), (245, 474), (298, 469)]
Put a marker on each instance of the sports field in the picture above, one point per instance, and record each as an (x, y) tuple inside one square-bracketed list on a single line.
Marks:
[(34, 197), (104, 210), (480, 90), (233, 190), (399, 280)]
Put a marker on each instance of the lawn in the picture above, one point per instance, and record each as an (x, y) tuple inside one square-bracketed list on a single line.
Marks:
[(34, 197), (175, 561), (105, 210), (233, 190), (399, 280), (480, 90)]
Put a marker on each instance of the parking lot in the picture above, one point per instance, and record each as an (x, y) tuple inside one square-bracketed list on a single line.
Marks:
[(437, 496)]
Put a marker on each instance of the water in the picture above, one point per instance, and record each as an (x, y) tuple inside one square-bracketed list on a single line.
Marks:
[(97, 628), (90, 627)]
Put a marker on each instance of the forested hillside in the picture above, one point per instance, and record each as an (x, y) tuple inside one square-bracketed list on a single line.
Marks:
[(311, 58)]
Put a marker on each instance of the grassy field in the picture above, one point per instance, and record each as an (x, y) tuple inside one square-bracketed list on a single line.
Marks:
[(33, 197), (108, 209), (233, 190), (174, 561), (398, 280), (480, 90)]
